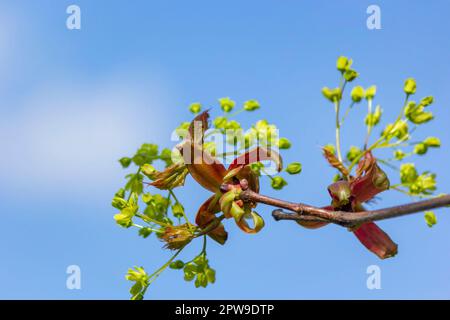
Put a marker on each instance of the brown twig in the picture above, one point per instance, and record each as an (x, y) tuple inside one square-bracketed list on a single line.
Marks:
[(303, 212)]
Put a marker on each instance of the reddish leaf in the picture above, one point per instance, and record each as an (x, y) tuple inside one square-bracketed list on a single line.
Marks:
[(203, 167), (256, 155), (205, 215), (376, 240), (370, 179)]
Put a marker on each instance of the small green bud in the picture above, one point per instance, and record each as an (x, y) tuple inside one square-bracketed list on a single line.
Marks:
[(124, 218), (284, 143), (343, 63), (399, 155), (410, 86), (220, 122), (408, 173), (147, 198), (370, 92), (226, 104), (420, 148), (350, 75), (120, 193), (211, 275), (182, 129), (177, 265), (424, 184), (332, 94), (294, 168), (416, 114), (278, 183), (178, 210), (125, 162), (427, 101), (119, 203), (233, 125), (336, 177), (357, 94), (430, 218), (330, 148), (145, 232), (353, 153), (432, 142), (251, 105), (189, 276), (372, 119), (195, 108)]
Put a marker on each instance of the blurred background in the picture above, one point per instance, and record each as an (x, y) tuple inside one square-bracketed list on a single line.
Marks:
[(75, 101)]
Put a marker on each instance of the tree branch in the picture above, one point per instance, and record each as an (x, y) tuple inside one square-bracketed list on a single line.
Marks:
[(303, 212)]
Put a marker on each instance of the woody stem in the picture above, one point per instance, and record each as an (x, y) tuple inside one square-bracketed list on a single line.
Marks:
[(303, 212)]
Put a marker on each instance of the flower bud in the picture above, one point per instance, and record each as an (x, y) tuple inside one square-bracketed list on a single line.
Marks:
[(119, 203), (332, 94), (420, 148), (370, 92), (410, 86), (357, 94), (427, 101), (220, 122), (145, 232), (399, 155), (251, 105), (432, 142), (284, 143), (195, 108), (177, 210), (278, 183), (343, 63), (408, 173), (226, 104), (177, 265), (353, 153), (372, 119), (430, 218), (294, 168), (350, 75), (125, 162)]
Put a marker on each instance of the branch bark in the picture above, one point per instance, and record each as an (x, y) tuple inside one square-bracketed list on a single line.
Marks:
[(304, 212)]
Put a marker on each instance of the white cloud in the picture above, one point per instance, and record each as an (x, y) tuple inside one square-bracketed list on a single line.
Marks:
[(68, 138)]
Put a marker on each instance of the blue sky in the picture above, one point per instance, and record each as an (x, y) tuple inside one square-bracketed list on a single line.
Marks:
[(73, 102)]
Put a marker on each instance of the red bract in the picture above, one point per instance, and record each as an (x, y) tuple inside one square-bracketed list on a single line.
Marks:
[(224, 183), (349, 196)]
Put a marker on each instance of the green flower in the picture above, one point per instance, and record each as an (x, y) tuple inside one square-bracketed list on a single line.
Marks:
[(372, 119), (408, 173), (426, 101), (294, 168), (124, 218), (145, 232), (420, 148), (177, 265), (432, 142), (350, 75), (178, 210), (284, 143), (357, 94), (195, 107), (251, 105), (332, 94), (430, 218), (353, 153), (125, 162), (220, 122), (226, 104), (416, 114), (370, 92), (141, 282), (399, 155), (410, 86), (278, 183), (424, 184), (343, 63)]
